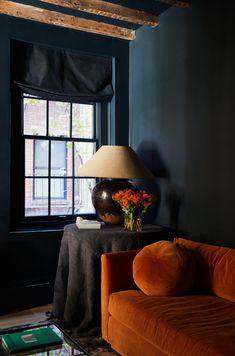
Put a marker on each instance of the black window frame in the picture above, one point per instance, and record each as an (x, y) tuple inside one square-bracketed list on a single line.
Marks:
[(18, 220)]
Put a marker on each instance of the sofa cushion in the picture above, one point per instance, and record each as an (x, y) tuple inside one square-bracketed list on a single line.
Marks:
[(184, 325), (215, 268), (164, 268)]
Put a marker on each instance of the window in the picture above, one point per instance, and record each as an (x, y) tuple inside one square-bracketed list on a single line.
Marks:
[(54, 130), (57, 137)]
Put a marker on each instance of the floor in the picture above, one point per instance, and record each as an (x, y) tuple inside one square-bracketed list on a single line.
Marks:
[(95, 345), (33, 315)]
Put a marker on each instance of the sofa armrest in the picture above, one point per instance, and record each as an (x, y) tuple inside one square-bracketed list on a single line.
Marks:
[(116, 275)]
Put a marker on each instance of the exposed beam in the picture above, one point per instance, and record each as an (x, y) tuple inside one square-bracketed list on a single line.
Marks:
[(33, 13), (107, 9), (180, 3)]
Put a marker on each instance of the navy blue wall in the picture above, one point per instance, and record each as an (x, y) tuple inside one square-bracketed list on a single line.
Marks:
[(182, 116), (31, 258)]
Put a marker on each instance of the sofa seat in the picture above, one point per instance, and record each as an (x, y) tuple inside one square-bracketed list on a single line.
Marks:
[(198, 324)]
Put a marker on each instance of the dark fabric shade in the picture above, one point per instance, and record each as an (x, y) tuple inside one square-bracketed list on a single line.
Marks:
[(57, 74)]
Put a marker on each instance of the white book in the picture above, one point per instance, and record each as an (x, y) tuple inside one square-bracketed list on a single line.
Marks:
[(87, 224)]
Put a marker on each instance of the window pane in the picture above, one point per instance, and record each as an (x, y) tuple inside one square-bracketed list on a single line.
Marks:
[(29, 153), (36, 157), (59, 119), (61, 196), (82, 152), (41, 158), (83, 121), (82, 196), (40, 188), (58, 188), (36, 197), (58, 158), (34, 111), (69, 158)]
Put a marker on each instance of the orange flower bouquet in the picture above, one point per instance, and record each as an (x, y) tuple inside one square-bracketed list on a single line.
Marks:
[(133, 203)]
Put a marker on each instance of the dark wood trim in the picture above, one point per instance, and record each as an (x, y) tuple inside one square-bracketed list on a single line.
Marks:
[(107, 9), (179, 3)]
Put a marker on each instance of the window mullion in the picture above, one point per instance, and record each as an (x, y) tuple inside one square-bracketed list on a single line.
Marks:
[(71, 121), (73, 159), (49, 160), (47, 118), (49, 179), (73, 177)]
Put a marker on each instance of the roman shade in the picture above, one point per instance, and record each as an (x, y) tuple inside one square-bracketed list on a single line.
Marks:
[(58, 74)]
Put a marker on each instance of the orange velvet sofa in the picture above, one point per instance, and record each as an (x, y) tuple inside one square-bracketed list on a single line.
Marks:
[(200, 322)]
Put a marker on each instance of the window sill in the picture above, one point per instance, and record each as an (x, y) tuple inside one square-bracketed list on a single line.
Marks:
[(36, 230)]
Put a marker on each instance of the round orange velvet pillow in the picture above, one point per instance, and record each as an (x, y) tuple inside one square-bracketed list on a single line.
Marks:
[(164, 269)]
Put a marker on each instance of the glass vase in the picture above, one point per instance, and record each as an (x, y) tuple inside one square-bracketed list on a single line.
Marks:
[(133, 221)]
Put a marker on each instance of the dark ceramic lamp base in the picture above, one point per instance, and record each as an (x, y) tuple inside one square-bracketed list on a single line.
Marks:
[(107, 209)]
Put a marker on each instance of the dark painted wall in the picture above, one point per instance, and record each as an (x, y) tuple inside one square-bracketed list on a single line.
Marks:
[(30, 259), (182, 116)]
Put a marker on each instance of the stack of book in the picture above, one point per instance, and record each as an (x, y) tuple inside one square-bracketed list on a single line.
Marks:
[(87, 224), (30, 339)]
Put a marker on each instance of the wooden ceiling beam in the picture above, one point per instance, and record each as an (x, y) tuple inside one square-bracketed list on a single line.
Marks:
[(180, 3), (107, 9), (33, 13)]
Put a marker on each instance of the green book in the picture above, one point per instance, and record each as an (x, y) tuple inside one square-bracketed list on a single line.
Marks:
[(30, 339)]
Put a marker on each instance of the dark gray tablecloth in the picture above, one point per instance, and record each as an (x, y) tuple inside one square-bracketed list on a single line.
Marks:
[(77, 285)]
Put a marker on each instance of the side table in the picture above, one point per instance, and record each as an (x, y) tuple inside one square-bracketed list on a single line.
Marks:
[(77, 285)]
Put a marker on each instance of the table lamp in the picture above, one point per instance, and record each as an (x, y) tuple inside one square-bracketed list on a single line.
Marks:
[(115, 165)]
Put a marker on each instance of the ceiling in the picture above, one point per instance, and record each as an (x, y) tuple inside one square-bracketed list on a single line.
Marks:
[(115, 18)]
